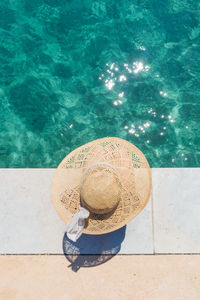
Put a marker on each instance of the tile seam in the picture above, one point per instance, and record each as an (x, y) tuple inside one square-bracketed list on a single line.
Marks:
[(60, 254), (152, 216)]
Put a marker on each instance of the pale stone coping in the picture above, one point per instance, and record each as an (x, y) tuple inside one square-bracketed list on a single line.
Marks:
[(30, 225), (124, 277), (176, 210)]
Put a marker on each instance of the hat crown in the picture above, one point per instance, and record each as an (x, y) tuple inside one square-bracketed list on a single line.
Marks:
[(100, 188)]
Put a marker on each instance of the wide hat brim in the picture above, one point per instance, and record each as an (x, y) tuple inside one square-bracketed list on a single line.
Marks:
[(134, 173)]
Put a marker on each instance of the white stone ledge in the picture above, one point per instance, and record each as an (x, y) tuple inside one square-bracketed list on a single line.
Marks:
[(176, 210), (30, 225)]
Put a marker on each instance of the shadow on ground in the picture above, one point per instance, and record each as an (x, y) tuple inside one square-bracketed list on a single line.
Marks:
[(92, 250)]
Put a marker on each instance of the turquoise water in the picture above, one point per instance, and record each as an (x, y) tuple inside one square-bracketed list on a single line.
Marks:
[(74, 71)]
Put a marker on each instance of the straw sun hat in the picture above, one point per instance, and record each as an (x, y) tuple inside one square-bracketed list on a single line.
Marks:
[(109, 177)]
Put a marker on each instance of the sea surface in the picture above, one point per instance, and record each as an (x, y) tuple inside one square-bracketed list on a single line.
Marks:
[(74, 71)]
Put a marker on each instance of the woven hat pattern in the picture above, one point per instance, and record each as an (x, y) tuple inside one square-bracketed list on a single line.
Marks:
[(130, 164)]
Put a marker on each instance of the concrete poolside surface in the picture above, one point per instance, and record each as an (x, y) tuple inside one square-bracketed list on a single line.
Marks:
[(124, 277), (169, 224)]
